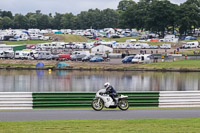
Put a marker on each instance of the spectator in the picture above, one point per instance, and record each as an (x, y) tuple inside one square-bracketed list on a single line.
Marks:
[(177, 49)]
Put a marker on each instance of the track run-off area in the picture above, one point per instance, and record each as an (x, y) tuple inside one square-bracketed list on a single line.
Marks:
[(30, 115)]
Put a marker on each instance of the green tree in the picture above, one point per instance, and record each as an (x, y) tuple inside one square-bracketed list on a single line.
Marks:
[(89, 19), (43, 21), (6, 14), (68, 21), (33, 22), (188, 17), (109, 18), (127, 18), (20, 22), (124, 4), (56, 24), (1, 23), (160, 16), (7, 23)]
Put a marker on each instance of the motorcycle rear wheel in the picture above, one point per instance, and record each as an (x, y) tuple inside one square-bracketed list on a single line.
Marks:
[(123, 104), (96, 106)]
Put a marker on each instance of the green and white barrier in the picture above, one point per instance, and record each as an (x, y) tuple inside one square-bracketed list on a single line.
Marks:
[(29, 100), (179, 99), (16, 100)]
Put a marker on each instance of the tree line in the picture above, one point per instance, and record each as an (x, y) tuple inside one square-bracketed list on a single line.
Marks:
[(153, 15)]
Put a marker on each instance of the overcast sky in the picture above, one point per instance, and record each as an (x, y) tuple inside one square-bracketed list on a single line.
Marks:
[(60, 6)]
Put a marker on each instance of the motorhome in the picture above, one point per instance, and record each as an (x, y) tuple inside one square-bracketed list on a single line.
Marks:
[(81, 52), (46, 55), (9, 54), (141, 58), (170, 38), (43, 46), (2, 54), (22, 55), (191, 44), (141, 46), (26, 54), (54, 45), (165, 46)]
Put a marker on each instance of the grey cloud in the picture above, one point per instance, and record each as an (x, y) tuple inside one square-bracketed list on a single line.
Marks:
[(61, 6)]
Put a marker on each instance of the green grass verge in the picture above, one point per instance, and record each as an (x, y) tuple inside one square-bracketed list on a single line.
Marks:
[(189, 52), (24, 42), (110, 126), (123, 39), (21, 65), (181, 64), (74, 38), (61, 38)]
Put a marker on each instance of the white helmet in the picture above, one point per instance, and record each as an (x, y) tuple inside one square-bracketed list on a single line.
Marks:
[(106, 85)]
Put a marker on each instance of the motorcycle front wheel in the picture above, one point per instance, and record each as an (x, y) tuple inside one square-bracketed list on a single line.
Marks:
[(123, 104), (97, 104)]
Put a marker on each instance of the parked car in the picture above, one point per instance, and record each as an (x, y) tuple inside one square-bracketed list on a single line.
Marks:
[(128, 59), (190, 38), (141, 58), (77, 57), (96, 59), (87, 58), (63, 57)]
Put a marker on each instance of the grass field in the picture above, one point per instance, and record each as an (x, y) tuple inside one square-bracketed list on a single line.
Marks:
[(77, 38), (22, 65), (188, 64), (120, 39), (109, 126), (179, 64), (24, 42), (61, 38)]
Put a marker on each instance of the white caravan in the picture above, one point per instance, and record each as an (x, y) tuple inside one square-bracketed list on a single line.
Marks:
[(9, 54), (141, 58), (46, 55), (2, 54), (81, 52), (191, 44), (141, 45), (165, 46), (170, 38), (26, 54)]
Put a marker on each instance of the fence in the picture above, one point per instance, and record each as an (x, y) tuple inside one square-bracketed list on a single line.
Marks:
[(29, 100), (16, 100)]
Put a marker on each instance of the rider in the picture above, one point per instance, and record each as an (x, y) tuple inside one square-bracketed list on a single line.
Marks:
[(111, 91)]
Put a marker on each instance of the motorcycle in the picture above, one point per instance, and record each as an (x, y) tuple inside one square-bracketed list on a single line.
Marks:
[(102, 100)]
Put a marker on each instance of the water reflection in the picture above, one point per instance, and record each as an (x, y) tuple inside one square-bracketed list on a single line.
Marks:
[(67, 81)]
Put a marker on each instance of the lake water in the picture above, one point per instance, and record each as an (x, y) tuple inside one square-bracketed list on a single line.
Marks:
[(91, 81)]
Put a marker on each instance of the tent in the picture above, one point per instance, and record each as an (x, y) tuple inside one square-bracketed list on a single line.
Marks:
[(40, 64), (62, 64)]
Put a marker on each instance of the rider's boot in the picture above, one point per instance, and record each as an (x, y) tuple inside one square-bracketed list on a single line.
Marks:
[(116, 102)]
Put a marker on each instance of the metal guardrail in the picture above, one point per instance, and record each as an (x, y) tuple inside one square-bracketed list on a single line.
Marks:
[(179, 99), (29, 100), (78, 100)]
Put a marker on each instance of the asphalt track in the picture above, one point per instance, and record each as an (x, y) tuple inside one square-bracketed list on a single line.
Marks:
[(30, 115)]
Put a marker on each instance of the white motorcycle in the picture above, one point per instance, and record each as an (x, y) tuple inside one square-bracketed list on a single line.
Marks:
[(102, 100)]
